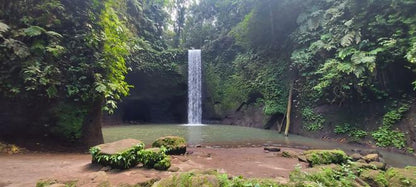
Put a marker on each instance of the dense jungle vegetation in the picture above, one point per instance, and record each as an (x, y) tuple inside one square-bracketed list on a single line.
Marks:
[(63, 62)]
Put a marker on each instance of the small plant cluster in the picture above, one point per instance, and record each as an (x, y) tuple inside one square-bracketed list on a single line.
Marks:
[(313, 121), (385, 136), (355, 133), (151, 158), (122, 160), (340, 176), (154, 158), (10, 148)]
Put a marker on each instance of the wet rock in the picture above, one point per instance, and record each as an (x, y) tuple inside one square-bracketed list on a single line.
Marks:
[(356, 156), (378, 165), (289, 154), (173, 169), (302, 158), (371, 158), (366, 151), (107, 168), (272, 149)]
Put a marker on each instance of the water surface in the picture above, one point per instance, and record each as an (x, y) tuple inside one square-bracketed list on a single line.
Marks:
[(235, 135)]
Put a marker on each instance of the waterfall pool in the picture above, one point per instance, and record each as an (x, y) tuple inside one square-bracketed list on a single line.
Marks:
[(226, 135)]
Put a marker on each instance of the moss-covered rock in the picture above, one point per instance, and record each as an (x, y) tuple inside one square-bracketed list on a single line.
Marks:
[(154, 158), (371, 158), (120, 154), (401, 176), (374, 178), (175, 145), (319, 157), (212, 179)]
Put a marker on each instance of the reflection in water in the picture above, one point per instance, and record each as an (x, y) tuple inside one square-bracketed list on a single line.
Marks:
[(194, 134)]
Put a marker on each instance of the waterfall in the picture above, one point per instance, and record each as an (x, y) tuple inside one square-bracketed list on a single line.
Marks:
[(194, 87)]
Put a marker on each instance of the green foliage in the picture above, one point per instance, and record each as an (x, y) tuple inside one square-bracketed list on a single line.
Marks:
[(115, 39), (325, 176), (46, 183), (69, 121), (385, 136), (312, 120), (319, 157), (393, 116), (214, 179), (122, 160), (154, 158), (353, 132)]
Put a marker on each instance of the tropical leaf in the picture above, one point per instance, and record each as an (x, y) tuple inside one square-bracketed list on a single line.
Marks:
[(33, 31), (3, 27), (53, 34), (347, 39)]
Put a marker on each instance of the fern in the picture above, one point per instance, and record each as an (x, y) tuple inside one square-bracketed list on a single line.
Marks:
[(3, 27), (33, 31)]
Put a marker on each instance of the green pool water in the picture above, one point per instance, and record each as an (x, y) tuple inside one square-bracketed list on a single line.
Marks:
[(225, 135)]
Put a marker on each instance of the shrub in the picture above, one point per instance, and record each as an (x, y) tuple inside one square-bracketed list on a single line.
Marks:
[(121, 160), (313, 121), (174, 145), (154, 158), (325, 176), (69, 121), (355, 133), (318, 157), (386, 137)]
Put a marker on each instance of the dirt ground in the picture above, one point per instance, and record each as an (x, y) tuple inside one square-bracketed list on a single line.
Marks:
[(253, 162)]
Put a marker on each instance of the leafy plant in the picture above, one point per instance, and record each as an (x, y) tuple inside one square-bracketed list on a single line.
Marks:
[(154, 158), (123, 160), (385, 137), (313, 121), (355, 133)]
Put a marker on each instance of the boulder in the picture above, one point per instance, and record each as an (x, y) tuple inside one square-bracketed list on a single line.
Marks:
[(356, 156), (120, 154), (272, 149), (401, 176), (289, 154), (371, 158), (175, 145), (118, 146), (373, 177), (319, 157)]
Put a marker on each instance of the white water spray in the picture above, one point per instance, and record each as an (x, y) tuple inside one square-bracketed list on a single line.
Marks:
[(194, 87)]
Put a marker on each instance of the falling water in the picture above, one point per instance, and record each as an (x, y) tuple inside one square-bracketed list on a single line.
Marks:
[(194, 87)]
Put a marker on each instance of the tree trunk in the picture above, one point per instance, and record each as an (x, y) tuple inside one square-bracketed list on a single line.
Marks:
[(279, 126), (91, 127), (289, 108)]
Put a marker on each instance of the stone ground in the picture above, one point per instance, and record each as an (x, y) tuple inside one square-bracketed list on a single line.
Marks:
[(251, 162)]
